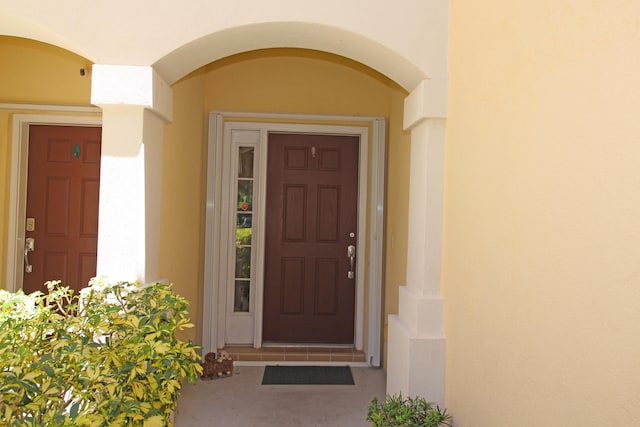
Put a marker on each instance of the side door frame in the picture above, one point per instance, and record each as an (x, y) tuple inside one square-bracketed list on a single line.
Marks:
[(371, 221), (18, 186)]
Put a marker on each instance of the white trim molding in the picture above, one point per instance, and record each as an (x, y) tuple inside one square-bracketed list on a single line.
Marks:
[(50, 108), (371, 201)]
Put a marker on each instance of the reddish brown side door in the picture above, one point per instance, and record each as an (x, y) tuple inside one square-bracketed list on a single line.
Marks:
[(62, 200), (312, 196)]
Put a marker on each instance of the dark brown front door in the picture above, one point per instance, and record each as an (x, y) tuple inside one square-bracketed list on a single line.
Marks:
[(312, 198), (62, 205)]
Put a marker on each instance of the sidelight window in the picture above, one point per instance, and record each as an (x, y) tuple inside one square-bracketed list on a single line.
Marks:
[(244, 229)]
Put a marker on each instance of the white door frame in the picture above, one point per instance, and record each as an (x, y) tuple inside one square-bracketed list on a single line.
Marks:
[(371, 235), (19, 165)]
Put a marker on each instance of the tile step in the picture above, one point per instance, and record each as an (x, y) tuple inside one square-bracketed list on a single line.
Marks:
[(294, 354)]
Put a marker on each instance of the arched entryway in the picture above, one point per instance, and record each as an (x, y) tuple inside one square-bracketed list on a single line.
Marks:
[(414, 338), (326, 94), (137, 101)]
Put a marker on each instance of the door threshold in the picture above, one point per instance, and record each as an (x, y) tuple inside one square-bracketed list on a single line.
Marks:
[(296, 353), (274, 344)]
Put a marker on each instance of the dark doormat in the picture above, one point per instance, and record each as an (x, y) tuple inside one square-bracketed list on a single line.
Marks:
[(307, 375)]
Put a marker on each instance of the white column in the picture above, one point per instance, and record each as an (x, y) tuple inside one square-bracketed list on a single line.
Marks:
[(416, 347), (135, 104)]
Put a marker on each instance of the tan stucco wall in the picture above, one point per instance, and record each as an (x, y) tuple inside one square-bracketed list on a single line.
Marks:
[(291, 81), (36, 72), (32, 73), (182, 219), (541, 270)]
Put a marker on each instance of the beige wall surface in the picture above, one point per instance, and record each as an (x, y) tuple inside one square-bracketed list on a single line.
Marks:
[(36, 72), (32, 73), (541, 269), (277, 81), (182, 220)]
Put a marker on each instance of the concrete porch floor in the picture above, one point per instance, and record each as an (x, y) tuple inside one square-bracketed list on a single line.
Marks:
[(241, 400)]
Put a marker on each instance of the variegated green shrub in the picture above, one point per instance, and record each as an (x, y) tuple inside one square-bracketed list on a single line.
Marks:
[(108, 356)]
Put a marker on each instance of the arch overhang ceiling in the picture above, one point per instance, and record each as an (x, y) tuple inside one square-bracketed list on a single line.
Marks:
[(203, 50), (212, 47)]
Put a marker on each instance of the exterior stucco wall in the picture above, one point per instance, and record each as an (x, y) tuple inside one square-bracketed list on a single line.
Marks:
[(542, 214), (34, 72)]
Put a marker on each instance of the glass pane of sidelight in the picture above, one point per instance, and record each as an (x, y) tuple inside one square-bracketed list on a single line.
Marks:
[(245, 195), (243, 230), (243, 262), (244, 220), (241, 296), (245, 162)]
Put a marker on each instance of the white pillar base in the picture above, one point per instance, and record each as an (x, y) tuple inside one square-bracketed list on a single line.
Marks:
[(416, 364)]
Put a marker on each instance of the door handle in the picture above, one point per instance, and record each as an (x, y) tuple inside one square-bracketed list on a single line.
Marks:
[(351, 254), (29, 246)]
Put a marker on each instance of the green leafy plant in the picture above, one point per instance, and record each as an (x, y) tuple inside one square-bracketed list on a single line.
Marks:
[(108, 356), (396, 411)]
